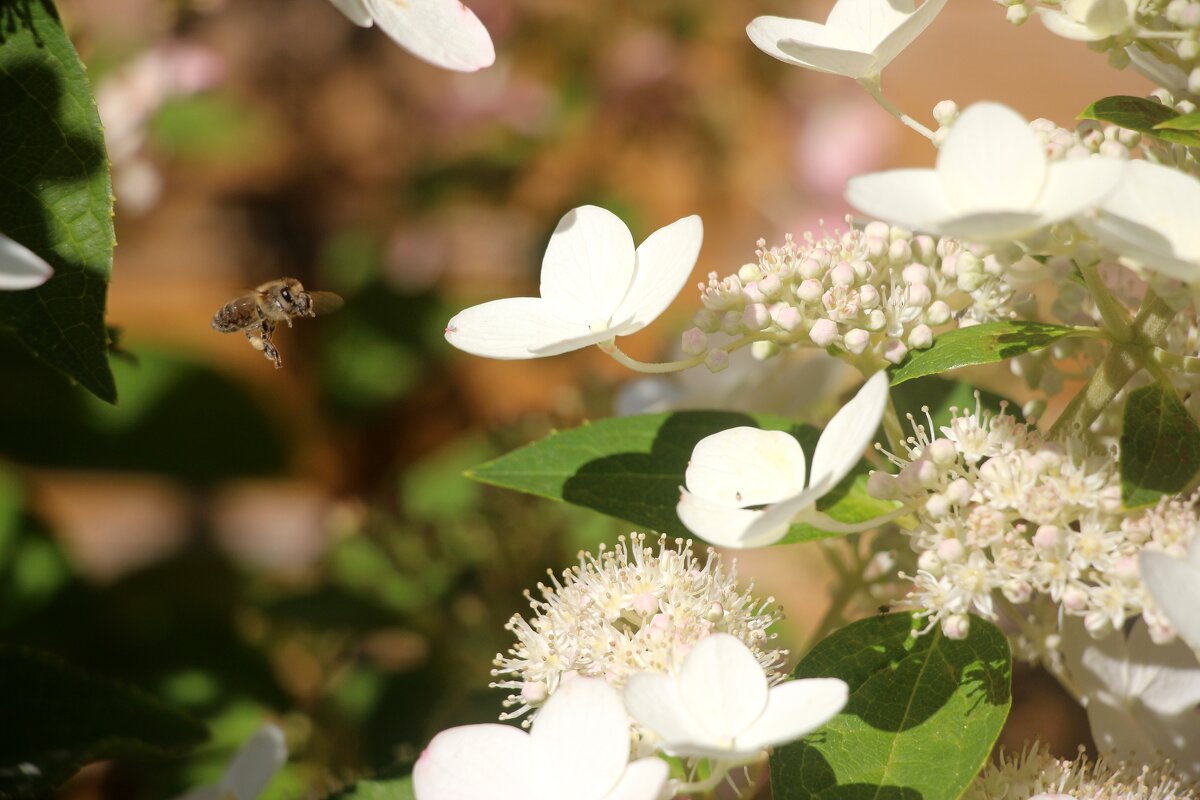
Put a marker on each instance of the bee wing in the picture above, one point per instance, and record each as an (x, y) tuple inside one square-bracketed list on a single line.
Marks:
[(325, 302), (236, 314)]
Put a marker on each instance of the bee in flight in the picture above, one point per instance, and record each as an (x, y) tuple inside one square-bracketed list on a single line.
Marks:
[(258, 313)]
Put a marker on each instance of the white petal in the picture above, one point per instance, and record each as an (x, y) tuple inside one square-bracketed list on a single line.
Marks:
[(768, 33), (992, 226), (795, 709), (722, 686), (443, 32), (1175, 587), (653, 699), (644, 779), (491, 761), (852, 428), (1117, 733), (1060, 24), (356, 11), (912, 198), (518, 327), (255, 764), (580, 738), (902, 36), (746, 466), (1151, 216), (1168, 76), (829, 58), (20, 267), (1080, 184), (1166, 677), (589, 266), (719, 524), (664, 263), (863, 24), (991, 161), (772, 522)]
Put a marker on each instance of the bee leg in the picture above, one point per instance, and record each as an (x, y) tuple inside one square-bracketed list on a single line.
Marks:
[(268, 347), (254, 338)]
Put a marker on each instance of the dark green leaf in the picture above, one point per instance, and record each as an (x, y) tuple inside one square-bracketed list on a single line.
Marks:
[(58, 718), (922, 717), (55, 194), (1139, 114), (979, 344), (1160, 446), (632, 468), (1184, 122)]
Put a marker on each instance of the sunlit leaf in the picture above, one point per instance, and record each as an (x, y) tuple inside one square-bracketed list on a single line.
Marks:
[(979, 344)]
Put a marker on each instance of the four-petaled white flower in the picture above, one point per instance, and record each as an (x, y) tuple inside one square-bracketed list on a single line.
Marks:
[(250, 770), (734, 470), (578, 747), (20, 267), (1141, 697), (1175, 587), (1089, 20), (719, 705), (859, 39), (992, 183), (443, 32), (595, 286), (1152, 218)]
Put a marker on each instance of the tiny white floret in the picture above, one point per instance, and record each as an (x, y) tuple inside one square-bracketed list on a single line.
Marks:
[(858, 40), (443, 32), (732, 471), (578, 747), (595, 286), (992, 183), (720, 706), (20, 267)]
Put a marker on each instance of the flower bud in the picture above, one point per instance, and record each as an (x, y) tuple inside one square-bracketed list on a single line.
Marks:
[(842, 275), (942, 452), (1047, 537), (945, 112), (959, 492), (920, 337), (823, 333), (695, 342), (915, 273), (881, 485), (937, 507), (787, 317), (771, 287), (856, 340), (956, 627), (810, 290), (868, 296), (938, 313), (811, 268), (894, 351), (876, 320), (731, 323), (950, 550), (716, 360), (761, 351), (749, 273), (756, 317), (707, 321), (1074, 598)]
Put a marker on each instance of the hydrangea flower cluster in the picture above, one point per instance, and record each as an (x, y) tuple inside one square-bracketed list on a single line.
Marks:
[(874, 292), (1036, 774), (1005, 515), (629, 610)]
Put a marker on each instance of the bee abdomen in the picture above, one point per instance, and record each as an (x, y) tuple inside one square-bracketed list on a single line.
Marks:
[(230, 319)]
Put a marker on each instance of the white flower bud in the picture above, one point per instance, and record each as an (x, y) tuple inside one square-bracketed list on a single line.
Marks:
[(945, 112), (959, 492), (894, 351), (810, 290), (938, 313), (731, 323), (1016, 15), (842, 275), (695, 342), (756, 317), (856, 340), (929, 562), (534, 693), (881, 485), (753, 294), (868, 296), (1193, 81), (900, 251), (1017, 591), (920, 337), (771, 287), (823, 333), (811, 268), (950, 550), (1098, 624), (787, 317), (937, 507), (876, 320), (915, 273), (1047, 537), (877, 230), (1074, 598), (716, 360), (942, 452), (707, 321), (761, 351), (749, 272), (956, 626)]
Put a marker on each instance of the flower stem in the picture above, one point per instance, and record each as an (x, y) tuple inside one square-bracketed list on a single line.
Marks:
[(871, 84), (667, 366), (1115, 315)]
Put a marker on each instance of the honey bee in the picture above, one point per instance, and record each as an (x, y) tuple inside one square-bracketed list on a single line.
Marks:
[(258, 313)]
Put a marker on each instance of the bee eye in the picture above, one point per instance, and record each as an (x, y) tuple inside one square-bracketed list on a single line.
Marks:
[(287, 295)]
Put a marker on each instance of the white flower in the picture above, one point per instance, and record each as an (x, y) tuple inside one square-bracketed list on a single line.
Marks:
[(443, 32), (719, 704), (1175, 587), (594, 287), (1140, 697), (736, 469), (578, 747), (1090, 20), (20, 267), (1151, 219), (859, 39), (992, 182), (250, 770)]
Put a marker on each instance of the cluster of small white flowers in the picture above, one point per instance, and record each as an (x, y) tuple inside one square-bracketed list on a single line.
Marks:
[(1034, 772), (875, 293), (1159, 39), (1004, 512), (630, 610)]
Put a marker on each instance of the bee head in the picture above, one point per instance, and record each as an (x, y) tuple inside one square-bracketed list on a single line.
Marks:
[(289, 295)]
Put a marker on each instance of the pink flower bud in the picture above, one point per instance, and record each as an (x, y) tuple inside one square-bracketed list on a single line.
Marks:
[(842, 275), (856, 340), (810, 290), (716, 360), (695, 342), (787, 317), (823, 333), (894, 351), (920, 337), (756, 317), (956, 626)]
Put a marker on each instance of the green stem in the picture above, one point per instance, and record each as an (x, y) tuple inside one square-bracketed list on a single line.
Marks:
[(624, 359), (1115, 315), (873, 87)]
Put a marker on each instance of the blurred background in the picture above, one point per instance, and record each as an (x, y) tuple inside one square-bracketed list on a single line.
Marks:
[(300, 545)]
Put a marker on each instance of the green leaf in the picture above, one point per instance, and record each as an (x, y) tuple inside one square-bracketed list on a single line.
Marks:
[(922, 717), (1139, 114), (632, 468), (58, 718), (381, 789), (1160, 446), (1184, 122), (55, 194), (979, 344)]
